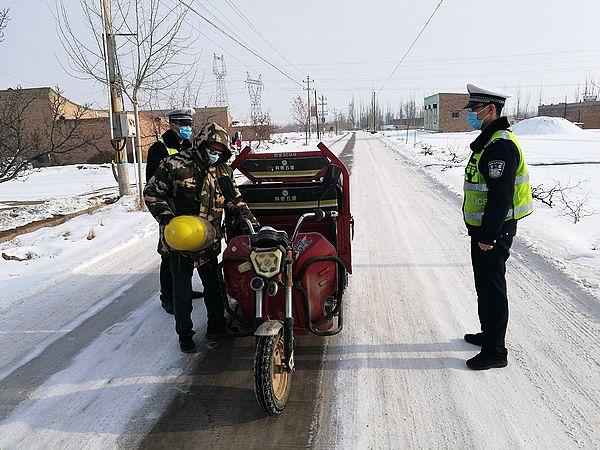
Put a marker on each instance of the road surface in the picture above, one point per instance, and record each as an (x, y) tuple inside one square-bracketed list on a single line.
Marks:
[(110, 374)]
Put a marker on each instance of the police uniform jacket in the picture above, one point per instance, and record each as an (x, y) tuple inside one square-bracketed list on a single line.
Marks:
[(500, 187), (158, 151)]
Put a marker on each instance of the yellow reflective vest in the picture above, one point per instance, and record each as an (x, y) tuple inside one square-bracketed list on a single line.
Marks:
[(475, 187)]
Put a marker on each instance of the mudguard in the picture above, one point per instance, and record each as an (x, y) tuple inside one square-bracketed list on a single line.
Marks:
[(269, 328)]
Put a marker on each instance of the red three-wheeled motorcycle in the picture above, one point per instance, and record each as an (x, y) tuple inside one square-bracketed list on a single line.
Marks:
[(289, 276)]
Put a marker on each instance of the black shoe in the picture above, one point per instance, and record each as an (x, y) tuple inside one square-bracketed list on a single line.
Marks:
[(484, 361), (168, 307), (197, 294), (475, 339), (220, 332), (186, 344)]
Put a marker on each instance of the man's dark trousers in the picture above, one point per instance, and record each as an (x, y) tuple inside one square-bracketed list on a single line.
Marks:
[(489, 270), (182, 270), (166, 281)]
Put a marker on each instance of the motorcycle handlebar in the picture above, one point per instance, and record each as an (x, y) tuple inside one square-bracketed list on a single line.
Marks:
[(250, 226), (318, 215)]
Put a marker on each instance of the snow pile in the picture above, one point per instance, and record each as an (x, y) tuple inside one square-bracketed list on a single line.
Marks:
[(539, 126)]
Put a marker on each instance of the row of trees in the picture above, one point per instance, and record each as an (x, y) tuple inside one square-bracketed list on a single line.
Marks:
[(359, 115)]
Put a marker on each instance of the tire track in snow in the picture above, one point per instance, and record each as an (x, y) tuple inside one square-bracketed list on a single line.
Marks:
[(547, 397)]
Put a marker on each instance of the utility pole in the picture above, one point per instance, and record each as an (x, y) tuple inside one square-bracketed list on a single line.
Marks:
[(308, 81), (117, 138), (317, 115), (335, 119), (323, 105), (374, 125)]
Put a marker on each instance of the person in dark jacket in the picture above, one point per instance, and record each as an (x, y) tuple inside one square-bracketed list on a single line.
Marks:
[(172, 141), (197, 182), (497, 194)]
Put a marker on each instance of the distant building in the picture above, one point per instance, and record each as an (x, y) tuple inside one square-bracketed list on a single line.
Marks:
[(586, 114), (95, 122), (217, 114), (444, 112)]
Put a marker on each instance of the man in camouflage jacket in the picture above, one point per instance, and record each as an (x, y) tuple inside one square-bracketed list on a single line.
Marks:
[(187, 184)]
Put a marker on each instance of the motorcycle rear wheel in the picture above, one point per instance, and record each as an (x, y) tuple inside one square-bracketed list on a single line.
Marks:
[(272, 382)]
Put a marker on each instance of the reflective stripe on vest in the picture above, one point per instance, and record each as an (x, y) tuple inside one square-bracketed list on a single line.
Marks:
[(475, 188), (170, 150)]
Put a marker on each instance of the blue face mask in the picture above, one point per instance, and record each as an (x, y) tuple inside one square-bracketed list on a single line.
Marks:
[(213, 157), (473, 121), (185, 132)]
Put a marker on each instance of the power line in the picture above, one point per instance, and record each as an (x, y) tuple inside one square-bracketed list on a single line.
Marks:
[(245, 47), (251, 25), (231, 28), (412, 45)]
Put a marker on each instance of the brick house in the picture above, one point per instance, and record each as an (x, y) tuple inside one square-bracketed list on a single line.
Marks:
[(586, 113), (444, 112), (95, 123)]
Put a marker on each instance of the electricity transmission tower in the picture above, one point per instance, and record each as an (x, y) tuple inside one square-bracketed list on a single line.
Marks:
[(220, 71), (255, 88)]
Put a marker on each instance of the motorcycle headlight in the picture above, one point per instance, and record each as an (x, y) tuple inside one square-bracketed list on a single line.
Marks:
[(267, 263)]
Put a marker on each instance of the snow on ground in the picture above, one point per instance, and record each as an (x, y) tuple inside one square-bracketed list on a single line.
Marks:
[(285, 142), (52, 191), (55, 191), (555, 157), (86, 290), (50, 252), (552, 126)]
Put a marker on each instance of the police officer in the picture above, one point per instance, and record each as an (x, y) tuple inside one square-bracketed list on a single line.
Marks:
[(191, 183), (172, 141), (497, 194)]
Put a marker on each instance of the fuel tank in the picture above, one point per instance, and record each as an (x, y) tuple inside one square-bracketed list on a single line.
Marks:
[(319, 279)]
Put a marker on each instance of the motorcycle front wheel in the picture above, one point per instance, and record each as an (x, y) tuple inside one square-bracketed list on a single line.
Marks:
[(272, 381)]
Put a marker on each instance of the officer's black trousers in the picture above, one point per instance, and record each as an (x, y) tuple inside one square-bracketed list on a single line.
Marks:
[(181, 273), (489, 270)]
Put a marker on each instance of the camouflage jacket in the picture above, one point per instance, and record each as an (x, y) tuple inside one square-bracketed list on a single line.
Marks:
[(186, 184)]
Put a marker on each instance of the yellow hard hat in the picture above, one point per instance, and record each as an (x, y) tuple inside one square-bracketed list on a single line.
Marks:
[(189, 233)]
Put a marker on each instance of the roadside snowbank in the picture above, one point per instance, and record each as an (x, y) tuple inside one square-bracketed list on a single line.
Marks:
[(553, 126), (51, 252), (54, 191), (563, 161)]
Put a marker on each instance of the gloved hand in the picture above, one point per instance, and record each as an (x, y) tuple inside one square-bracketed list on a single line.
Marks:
[(164, 220)]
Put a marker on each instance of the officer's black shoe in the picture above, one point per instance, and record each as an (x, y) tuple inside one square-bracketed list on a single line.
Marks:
[(484, 361), (186, 344), (168, 307), (475, 339), (197, 294)]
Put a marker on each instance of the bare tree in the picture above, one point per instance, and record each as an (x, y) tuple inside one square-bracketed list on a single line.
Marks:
[(4, 18), (151, 54), (23, 146), (299, 112), (565, 196), (351, 115), (261, 128), (518, 99)]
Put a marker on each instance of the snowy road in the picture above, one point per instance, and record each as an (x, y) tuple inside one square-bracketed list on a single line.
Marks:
[(110, 373)]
